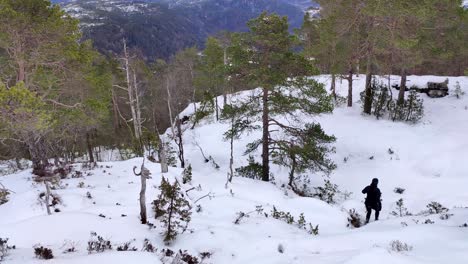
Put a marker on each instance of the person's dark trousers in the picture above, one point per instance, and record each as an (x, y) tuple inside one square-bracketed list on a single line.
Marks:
[(369, 211)]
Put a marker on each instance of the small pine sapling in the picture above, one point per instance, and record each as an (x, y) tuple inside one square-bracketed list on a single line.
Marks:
[(127, 246), (187, 174), (327, 193), (4, 248), (172, 209), (401, 210), (98, 244), (398, 246), (436, 208), (148, 246), (458, 91), (43, 253), (252, 171)]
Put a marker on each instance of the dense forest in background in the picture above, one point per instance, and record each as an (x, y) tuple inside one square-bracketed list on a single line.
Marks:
[(61, 97), (160, 30)]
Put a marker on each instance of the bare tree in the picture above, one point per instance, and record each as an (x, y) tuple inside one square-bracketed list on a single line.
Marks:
[(144, 175)]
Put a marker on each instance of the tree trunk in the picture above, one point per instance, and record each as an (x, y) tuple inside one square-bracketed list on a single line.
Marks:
[(350, 87), (89, 146), (231, 158), (217, 108), (137, 107), (163, 157), (368, 89), (21, 75), (265, 138), (291, 173), (225, 60), (143, 198), (368, 94), (47, 196), (333, 85), (401, 93), (131, 94), (18, 163), (180, 143)]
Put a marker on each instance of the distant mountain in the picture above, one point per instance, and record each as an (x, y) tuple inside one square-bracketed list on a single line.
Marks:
[(159, 28)]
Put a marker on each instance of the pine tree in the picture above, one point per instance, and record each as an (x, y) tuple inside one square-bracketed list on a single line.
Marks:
[(211, 72), (172, 209), (265, 56)]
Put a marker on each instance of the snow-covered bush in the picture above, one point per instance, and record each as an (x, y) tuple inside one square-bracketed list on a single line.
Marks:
[(398, 246), (4, 248), (252, 171), (187, 174), (172, 209), (445, 216), (327, 193), (412, 110), (400, 209), (98, 244), (399, 190), (381, 99), (458, 91), (127, 246), (436, 208), (43, 252), (354, 219), (383, 106), (4, 196), (148, 246), (289, 219), (182, 257), (170, 154)]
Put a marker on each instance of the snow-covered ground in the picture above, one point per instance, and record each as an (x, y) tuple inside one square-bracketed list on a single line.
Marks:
[(429, 162)]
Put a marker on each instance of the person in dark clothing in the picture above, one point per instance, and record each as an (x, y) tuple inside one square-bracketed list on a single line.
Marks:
[(373, 199)]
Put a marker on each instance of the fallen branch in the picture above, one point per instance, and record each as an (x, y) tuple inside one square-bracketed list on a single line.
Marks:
[(210, 195)]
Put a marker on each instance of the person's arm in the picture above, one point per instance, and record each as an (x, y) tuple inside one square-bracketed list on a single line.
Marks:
[(365, 190), (379, 194)]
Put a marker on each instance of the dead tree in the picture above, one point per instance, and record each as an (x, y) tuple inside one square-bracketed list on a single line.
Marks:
[(144, 175), (47, 180)]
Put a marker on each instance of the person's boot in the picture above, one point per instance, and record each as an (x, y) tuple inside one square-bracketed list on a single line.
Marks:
[(367, 220)]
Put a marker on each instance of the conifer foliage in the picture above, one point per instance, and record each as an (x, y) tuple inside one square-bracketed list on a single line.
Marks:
[(172, 209), (265, 57)]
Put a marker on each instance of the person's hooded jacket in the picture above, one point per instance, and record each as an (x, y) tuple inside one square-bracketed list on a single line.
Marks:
[(373, 195)]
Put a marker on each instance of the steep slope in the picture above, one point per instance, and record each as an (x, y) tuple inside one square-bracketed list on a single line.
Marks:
[(428, 161)]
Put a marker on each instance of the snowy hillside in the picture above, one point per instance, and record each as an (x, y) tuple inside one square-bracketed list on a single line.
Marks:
[(428, 160)]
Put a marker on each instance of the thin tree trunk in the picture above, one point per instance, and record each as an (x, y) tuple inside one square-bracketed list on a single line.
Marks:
[(231, 158), (401, 93), (131, 93), (89, 146), (163, 157), (333, 85), (265, 138), (350, 87), (293, 170), (144, 174), (217, 108), (21, 75), (180, 143), (115, 111), (225, 60), (47, 200), (143, 199), (368, 89)]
